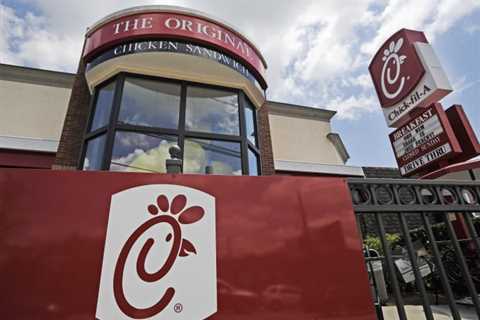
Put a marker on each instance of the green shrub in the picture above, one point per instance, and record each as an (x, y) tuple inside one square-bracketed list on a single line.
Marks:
[(375, 243)]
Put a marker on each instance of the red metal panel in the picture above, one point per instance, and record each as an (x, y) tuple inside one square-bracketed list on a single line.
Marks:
[(288, 247), (26, 159), (464, 132)]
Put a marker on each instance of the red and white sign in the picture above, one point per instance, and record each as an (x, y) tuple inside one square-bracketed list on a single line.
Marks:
[(425, 140), (64, 234), (177, 26), (407, 74), (159, 260)]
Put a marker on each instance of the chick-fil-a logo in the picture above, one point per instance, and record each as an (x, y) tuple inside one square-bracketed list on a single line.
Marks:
[(159, 255), (396, 68), (392, 60)]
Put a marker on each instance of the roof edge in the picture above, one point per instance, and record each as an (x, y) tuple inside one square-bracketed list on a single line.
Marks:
[(282, 108), (339, 145), (311, 167), (30, 75)]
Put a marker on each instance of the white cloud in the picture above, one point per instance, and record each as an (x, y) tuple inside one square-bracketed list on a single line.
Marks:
[(10, 30), (317, 51), (352, 106), (27, 41)]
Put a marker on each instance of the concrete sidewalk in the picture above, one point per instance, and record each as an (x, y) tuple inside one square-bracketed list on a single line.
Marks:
[(441, 312)]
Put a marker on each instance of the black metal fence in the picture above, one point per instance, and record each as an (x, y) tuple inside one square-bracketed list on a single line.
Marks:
[(431, 253)]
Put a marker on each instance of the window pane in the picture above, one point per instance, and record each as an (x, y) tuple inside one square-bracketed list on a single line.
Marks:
[(250, 122), (213, 111), (93, 155), (103, 106), (252, 163), (210, 156), (150, 103), (137, 152)]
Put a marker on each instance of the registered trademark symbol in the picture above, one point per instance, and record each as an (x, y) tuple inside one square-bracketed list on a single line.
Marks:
[(178, 307)]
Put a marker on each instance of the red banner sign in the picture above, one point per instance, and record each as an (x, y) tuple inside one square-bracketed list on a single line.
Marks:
[(86, 245), (424, 141), (177, 26)]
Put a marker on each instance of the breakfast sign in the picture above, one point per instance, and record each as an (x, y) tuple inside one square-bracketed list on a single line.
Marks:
[(426, 139)]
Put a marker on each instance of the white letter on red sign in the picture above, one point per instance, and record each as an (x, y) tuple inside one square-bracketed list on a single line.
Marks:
[(168, 23)]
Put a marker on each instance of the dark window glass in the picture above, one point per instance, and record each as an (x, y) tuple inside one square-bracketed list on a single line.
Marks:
[(213, 111), (150, 103), (103, 106), (140, 152), (250, 122), (212, 157), (252, 163), (93, 156)]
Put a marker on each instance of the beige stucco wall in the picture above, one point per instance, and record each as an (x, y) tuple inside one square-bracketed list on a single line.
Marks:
[(31, 110), (303, 140)]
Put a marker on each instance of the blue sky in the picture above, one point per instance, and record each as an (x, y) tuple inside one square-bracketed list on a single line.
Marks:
[(318, 51)]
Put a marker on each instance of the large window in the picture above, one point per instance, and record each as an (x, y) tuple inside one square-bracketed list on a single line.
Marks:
[(136, 119)]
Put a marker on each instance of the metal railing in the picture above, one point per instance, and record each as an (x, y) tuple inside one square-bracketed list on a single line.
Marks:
[(445, 225)]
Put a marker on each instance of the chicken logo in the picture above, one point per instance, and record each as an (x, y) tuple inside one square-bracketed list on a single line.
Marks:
[(159, 257), (396, 68), (392, 60)]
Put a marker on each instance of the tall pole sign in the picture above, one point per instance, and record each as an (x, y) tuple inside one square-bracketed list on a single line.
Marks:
[(409, 81), (407, 75)]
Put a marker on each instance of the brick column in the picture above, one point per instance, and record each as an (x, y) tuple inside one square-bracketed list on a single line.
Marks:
[(265, 142), (70, 145)]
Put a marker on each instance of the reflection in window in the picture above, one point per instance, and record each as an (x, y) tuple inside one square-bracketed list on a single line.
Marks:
[(150, 103), (213, 111), (103, 106), (252, 163), (250, 122), (93, 156), (212, 157), (140, 152)]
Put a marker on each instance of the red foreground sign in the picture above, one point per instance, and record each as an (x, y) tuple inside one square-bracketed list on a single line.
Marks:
[(424, 141), (85, 245)]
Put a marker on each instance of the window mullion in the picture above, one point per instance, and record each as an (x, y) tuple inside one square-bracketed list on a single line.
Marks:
[(107, 156), (258, 146), (91, 114), (243, 135), (181, 119)]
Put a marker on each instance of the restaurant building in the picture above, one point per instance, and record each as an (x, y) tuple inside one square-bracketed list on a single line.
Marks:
[(152, 77)]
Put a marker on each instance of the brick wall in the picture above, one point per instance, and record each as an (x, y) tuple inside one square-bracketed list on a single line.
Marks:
[(71, 140), (265, 142)]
